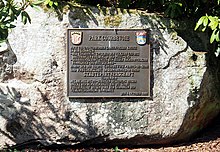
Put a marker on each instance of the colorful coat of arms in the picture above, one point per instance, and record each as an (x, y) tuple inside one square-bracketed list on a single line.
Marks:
[(141, 37), (76, 37)]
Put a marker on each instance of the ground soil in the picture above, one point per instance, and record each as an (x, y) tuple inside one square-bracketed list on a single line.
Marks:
[(207, 141)]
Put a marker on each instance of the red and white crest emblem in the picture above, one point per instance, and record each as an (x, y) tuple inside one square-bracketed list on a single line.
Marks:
[(76, 37), (141, 37)]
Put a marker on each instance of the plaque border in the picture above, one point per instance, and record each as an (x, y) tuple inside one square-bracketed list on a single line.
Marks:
[(109, 29)]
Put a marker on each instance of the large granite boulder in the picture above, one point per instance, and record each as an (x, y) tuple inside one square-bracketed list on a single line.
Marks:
[(33, 96)]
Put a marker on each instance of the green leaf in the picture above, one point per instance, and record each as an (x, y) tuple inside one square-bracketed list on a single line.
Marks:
[(217, 52), (204, 29), (25, 17), (197, 26), (3, 34), (29, 18), (9, 25), (18, 12), (37, 2), (51, 3), (180, 4), (217, 37), (213, 19), (205, 21), (4, 26), (13, 10), (47, 2), (213, 25), (55, 3), (12, 26), (213, 36), (200, 22), (37, 8)]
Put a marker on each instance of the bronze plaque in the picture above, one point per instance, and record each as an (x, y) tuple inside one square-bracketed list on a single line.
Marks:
[(108, 63)]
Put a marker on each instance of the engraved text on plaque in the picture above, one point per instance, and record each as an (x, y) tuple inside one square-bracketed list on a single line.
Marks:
[(108, 63)]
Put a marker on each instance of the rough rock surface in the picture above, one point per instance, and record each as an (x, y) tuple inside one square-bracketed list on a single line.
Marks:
[(34, 105)]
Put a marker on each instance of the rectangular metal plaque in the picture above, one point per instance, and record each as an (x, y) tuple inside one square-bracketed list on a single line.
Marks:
[(108, 63)]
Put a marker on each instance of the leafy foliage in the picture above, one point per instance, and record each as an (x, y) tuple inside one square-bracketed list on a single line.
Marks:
[(9, 13), (211, 22), (171, 8), (175, 9), (51, 3)]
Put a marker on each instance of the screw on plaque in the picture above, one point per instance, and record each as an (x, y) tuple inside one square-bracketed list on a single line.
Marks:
[(115, 31)]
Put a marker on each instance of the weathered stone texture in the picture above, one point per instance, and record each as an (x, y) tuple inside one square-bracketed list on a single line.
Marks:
[(34, 105)]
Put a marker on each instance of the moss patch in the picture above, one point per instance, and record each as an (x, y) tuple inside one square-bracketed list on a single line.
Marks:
[(112, 21), (210, 109)]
